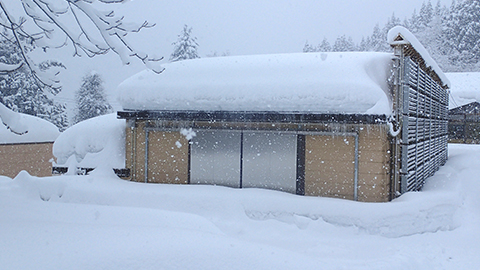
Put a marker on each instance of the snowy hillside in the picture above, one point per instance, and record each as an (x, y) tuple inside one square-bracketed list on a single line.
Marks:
[(92, 222)]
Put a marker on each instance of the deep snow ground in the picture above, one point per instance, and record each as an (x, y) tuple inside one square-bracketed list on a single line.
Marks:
[(99, 222)]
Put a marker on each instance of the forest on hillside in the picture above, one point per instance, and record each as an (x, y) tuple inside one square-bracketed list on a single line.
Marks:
[(450, 34)]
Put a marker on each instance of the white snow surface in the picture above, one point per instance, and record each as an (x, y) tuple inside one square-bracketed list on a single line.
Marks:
[(346, 82), (410, 38), (465, 88), (23, 128), (99, 222), (93, 143)]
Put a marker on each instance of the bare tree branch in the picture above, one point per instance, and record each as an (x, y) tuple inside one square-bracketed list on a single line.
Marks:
[(52, 84)]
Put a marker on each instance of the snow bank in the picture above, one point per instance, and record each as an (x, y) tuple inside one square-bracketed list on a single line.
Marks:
[(412, 40), (22, 128), (95, 142), (307, 82), (465, 88)]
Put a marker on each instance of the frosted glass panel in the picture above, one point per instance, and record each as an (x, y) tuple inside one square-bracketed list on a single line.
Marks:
[(215, 158), (269, 160)]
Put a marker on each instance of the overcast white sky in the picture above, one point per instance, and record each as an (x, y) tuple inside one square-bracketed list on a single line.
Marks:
[(239, 27)]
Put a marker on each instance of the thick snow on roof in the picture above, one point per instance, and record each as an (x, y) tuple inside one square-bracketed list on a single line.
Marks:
[(412, 40), (343, 82), (465, 88), (27, 128)]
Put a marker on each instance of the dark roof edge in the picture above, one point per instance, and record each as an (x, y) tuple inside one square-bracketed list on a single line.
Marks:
[(248, 116)]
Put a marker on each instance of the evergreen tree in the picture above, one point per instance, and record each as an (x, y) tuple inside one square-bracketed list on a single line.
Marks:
[(324, 46), (21, 92), (342, 44), (451, 35), (90, 99), (468, 37), (364, 44), (379, 40), (308, 48), (185, 47), (426, 15), (414, 22)]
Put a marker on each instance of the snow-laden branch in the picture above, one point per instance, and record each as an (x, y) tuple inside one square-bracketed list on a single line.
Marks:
[(6, 68), (44, 79), (12, 120), (89, 30), (79, 23)]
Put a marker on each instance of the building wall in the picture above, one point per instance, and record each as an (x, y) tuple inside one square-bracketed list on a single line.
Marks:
[(330, 165), (31, 157), (329, 160), (167, 155), (167, 158)]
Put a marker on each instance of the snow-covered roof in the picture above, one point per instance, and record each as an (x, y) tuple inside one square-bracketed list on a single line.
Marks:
[(339, 82), (29, 129), (409, 38), (465, 88)]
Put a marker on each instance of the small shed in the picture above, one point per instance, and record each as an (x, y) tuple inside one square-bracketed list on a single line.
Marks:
[(464, 124), (464, 113), (31, 150), (361, 126)]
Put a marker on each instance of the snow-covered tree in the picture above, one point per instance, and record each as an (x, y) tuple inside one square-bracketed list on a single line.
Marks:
[(87, 26), (308, 47), (324, 46), (451, 35), (364, 44), (185, 47), (90, 99), (468, 37), (342, 44), (425, 15), (19, 90), (217, 54), (378, 39), (62, 22)]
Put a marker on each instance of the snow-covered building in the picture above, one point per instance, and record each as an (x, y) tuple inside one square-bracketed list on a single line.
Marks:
[(464, 113), (464, 123), (25, 144), (363, 126)]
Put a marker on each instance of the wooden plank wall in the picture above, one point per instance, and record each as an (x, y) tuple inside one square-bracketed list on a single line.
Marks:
[(32, 157)]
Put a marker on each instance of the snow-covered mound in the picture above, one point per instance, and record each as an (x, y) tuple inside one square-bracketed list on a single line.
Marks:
[(465, 88), (92, 222), (95, 142), (347, 82), (23, 128)]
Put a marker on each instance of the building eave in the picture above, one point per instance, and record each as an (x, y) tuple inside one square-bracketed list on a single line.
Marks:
[(250, 116)]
